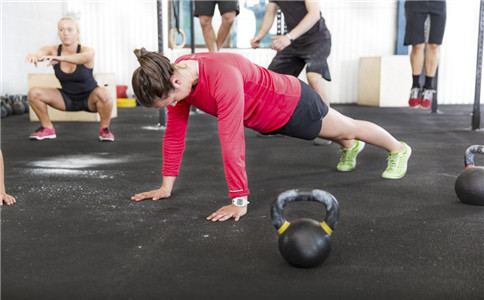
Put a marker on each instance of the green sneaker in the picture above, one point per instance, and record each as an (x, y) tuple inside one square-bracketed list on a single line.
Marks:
[(397, 163), (347, 162)]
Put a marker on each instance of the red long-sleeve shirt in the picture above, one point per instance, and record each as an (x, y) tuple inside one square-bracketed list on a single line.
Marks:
[(239, 93)]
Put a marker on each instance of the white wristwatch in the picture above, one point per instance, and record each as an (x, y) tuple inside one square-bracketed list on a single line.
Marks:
[(289, 37), (239, 201)]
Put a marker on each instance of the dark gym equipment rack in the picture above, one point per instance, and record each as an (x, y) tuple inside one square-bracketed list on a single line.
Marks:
[(476, 112), (159, 9)]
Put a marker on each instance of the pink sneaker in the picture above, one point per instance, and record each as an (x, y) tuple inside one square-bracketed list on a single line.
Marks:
[(43, 133), (105, 135)]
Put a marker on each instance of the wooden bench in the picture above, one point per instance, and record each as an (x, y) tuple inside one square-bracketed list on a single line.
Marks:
[(384, 81), (107, 80)]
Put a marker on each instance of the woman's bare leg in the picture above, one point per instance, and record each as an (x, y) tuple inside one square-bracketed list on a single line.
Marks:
[(100, 101), (344, 130), (39, 98)]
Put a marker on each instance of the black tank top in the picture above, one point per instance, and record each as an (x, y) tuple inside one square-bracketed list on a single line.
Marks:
[(78, 82)]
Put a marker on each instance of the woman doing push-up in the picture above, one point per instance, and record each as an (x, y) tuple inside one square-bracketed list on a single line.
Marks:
[(242, 94)]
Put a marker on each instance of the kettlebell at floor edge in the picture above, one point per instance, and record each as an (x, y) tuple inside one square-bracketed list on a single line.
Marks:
[(469, 185), (305, 243), (17, 105)]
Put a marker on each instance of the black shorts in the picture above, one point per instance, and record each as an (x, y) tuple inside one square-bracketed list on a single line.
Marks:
[(416, 13), (292, 60), (306, 121), (207, 8), (76, 102)]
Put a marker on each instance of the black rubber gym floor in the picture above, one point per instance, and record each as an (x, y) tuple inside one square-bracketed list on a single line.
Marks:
[(75, 234)]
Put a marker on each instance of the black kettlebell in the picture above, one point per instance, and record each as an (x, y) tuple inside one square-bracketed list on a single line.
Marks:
[(4, 111), (18, 106), (305, 243), (469, 185), (7, 106), (25, 101)]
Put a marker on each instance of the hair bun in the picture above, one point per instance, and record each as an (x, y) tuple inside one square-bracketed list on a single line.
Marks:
[(140, 52)]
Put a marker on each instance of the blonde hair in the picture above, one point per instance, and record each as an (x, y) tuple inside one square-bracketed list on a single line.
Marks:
[(69, 18)]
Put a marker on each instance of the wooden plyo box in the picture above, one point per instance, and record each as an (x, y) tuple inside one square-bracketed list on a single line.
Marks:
[(106, 80), (384, 81)]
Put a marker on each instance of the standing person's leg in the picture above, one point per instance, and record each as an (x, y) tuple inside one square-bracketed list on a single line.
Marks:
[(224, 29), (317, 69), (100, 101), (436, 35), (431, 59), (39, 99), (315, 81), (204, 11), (416, 13), (438, 16), (228, 10), (417, 58), (208, 33), (431, 63)]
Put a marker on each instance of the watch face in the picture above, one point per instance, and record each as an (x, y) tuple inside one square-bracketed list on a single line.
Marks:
[(240, 201)]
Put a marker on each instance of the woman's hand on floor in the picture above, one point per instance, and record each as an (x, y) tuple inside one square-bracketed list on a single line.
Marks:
[(153, 195), (227, 212)]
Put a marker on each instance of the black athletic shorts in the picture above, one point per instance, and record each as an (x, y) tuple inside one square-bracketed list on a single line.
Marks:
[(306, 121), (76, 102), (292, 60), (207, 8), (416, 13)]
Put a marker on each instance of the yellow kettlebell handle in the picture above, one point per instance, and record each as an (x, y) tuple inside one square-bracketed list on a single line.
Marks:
[(325, 227)]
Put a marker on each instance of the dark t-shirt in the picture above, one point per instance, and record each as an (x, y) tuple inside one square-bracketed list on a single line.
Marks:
[(294, 12)]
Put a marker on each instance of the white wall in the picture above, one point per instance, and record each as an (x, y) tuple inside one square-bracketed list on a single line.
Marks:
[(115, 27), (358, 28), (26, 26), (368, 28), (457, 69)]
